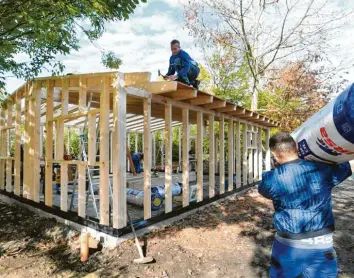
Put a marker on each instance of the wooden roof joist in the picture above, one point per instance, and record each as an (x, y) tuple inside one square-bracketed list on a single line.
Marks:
[(137, 87)]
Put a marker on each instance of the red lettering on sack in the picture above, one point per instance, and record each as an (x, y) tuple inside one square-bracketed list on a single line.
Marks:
[(330, 143)]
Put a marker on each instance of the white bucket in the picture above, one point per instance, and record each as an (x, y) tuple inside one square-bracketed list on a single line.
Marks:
[(328, 136)]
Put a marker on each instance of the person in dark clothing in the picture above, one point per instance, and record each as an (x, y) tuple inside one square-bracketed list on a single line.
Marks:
[(137, 157), (301, 195), (182, 67)]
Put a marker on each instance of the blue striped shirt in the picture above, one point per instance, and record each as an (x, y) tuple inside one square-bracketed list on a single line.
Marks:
[(301, 194)]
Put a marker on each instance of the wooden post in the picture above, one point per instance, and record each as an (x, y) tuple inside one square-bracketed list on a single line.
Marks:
[(185, 157), (245, 152), (81, 191), (68, 147), (222, 154), (168, 168), (2, 148), (231, 155), (136, 142), (199, 149), (217, 162), (255, 155), (28, 148), (92, 139), (267, 156), (238, 155), (104, 151), (212, 157), (8, 161), (179, 148), (36, 143), (128, 143), (250, 156), (162, 151), (82, 94), (60, 147), (17, 167), (49, 145), (41, 140), (260, 154), (147, 159), (119, 151)]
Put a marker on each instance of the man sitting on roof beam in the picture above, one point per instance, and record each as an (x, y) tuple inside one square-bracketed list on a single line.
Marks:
[(182, 67)]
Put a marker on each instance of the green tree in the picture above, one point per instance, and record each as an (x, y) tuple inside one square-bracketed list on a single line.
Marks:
[(42, 29)]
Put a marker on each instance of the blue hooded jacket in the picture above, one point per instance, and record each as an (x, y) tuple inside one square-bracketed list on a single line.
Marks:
[(301, 194), (188, 61)]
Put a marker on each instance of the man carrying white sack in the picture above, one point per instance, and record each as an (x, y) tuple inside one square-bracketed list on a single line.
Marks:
[(301, 195)]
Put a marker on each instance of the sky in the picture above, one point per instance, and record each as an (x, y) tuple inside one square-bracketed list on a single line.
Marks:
[(142, 42)]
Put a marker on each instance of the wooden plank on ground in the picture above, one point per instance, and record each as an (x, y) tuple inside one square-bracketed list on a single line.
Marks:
[(168, 168), (104, 152), (147, 159), (238, 155), (17, 167), (49, 145), (199, 153), (231, 156), (185, 156), (222, 154), (212, 157)]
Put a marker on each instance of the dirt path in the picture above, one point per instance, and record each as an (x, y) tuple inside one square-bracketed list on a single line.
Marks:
[(232, 239)]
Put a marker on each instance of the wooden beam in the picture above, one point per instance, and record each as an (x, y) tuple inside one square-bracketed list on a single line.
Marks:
[(239, 112), (182, 94), (157, 87), (180, 104), (60, 147), (267, 156), (185, 156), (231, 156), (222, 155), (244, 156), (227, 108), (199, 100), (74, 116), (260, 154), (140, 93), (168, 167), (133, 78), (255, 155), (81, 191), (27, 157), (83, 94), (212, 157), (147, 159), (2, 148), (49, 145), (36, 162), (9, 162), (92, 138), (250, 156), (104, 152), (216, 104), (119, 150), (238, 155), (199, 156), (17, 167)]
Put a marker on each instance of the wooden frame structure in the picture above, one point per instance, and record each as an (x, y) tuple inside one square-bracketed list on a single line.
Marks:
[(126, 103)]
